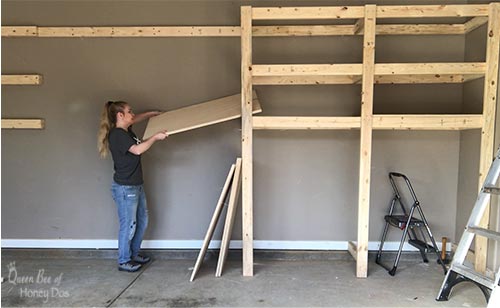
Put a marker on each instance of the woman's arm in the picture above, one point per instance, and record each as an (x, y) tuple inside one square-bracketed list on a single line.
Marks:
[(145, 115), (138, 149)]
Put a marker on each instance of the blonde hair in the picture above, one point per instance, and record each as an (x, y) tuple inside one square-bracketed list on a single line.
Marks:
[(108, 121)]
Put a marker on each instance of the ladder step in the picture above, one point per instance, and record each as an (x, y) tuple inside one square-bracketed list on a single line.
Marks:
[(399, 221), (473, 275), (421, 245), (485, 232), (492, 190)]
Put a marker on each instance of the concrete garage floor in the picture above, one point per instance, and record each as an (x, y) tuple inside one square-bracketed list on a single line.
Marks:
[(90, 278)]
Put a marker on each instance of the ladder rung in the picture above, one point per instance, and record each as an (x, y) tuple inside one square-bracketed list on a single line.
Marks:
[(492, 190), (485, 232), (473, 275), (399, 221)]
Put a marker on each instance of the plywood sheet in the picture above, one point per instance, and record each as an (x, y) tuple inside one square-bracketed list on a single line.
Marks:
[(231, 213), (199, 115), (213, 222)]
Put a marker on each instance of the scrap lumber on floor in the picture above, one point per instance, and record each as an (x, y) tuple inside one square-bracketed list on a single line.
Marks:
[(199, 115), (231, 212), (213, 222)]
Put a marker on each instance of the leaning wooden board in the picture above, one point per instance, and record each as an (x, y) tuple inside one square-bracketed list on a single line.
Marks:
[(213, 222), (199, 115)]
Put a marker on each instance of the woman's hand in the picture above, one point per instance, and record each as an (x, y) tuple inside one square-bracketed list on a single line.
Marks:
[(155, 113), (138, 149), (161, 135), (145, 115)]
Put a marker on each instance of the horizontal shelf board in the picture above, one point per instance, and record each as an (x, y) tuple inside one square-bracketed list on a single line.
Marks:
[(381, 69), (430, 68), (21, 80), (262, 122), (406, 11), (304, 80), (427, 122), (426, 29), (316, 30), (332, 30), (306, 69), (353, 12), (23, 123), (421, 79), (235, 31), (351, 79), (380, 122), (331, 12)]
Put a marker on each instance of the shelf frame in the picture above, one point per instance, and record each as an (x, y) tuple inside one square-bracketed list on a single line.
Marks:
[(367, 74)]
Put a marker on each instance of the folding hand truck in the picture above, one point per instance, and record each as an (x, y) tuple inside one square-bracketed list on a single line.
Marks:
[(409, 225)]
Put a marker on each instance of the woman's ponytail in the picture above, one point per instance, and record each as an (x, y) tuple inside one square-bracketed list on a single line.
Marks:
[(107, 122), (104, 128)]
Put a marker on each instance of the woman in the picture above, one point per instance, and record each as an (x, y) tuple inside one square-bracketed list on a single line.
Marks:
[(116, 134)]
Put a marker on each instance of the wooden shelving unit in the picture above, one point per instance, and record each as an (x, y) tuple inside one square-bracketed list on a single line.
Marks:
[(368, 73)]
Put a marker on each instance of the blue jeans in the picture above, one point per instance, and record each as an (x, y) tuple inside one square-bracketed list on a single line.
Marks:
[(132, 208)]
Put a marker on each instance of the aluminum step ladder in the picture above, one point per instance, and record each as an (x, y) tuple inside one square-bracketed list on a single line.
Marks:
[(410, 224), (460, 272)]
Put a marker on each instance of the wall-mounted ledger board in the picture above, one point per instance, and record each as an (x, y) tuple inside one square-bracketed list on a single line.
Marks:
[(21, 80), (23, 124)]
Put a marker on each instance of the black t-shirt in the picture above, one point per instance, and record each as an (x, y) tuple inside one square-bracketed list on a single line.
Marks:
[(128, 169)]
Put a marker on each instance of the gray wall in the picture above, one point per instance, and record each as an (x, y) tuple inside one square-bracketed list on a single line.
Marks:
[(54, 186)]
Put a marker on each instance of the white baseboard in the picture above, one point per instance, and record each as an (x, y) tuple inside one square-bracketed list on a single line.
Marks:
[(196, 244)]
